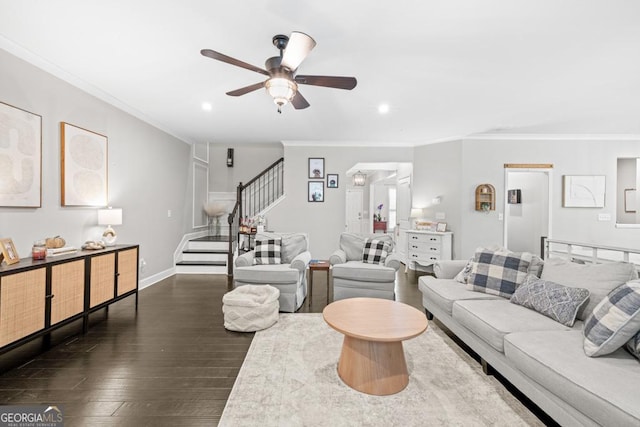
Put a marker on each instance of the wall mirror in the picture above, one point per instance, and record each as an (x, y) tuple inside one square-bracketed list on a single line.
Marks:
[(627, 195)]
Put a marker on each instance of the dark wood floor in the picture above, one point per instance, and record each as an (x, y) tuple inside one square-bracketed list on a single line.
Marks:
[(170, 364)]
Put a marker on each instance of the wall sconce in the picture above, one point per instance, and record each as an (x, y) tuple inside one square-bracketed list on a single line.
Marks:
[(109, 217), (229, 157), (359, 179)]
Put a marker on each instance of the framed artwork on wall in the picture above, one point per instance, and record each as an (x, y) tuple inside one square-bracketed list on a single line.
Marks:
[(316, 191), (514, 197), (83, 156), (21, 155), (332, 180), (316, 167), (583, 191), (8, 252)]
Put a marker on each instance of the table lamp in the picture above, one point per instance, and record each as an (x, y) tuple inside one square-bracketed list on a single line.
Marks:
[(109, 217), (415, 213)]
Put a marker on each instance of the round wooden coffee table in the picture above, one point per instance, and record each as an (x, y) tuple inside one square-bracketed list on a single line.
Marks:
[(372, 358)]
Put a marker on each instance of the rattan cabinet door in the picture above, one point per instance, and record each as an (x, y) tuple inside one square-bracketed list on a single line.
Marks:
[(22, 304), (103, 276), (127, 270), (67, 290)]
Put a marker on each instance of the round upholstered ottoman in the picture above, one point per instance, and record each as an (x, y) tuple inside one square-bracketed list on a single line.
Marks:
[(250, 308)]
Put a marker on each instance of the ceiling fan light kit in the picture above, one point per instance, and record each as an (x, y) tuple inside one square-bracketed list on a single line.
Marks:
[(282, 84)]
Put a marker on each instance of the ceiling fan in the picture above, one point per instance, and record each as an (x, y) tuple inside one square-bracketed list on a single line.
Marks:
[(283, 82)]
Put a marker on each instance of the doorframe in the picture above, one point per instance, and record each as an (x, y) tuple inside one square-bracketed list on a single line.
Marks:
[(346, 212), (546, 168)]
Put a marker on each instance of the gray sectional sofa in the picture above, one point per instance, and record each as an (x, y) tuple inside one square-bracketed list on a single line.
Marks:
[(544, 359)]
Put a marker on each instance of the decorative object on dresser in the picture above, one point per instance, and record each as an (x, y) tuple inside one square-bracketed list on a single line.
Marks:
[(485, 198), (37, 297), (427, 247), (9, 254), (22, 157)]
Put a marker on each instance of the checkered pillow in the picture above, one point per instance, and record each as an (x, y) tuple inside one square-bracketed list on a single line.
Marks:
[(614, 321), (498, 272), (267, 252), (375, 251)]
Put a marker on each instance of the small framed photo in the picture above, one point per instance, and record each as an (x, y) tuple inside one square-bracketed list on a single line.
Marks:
[(514, 197), (332, 180), (441, 227), (316, 167), (9, 253), (316, 191)]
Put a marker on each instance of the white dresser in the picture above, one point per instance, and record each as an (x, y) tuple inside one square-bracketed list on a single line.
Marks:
[(426, 247)]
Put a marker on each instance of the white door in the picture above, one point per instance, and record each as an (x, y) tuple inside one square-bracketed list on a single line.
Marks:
[(354, 211), (403, 210), (529, 220)]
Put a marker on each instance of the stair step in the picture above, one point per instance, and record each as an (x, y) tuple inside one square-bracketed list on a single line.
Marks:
[(205, 251), (204, 255), (212, 239), (206, 263)]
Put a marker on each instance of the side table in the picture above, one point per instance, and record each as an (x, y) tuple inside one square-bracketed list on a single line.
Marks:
[(319, 265)]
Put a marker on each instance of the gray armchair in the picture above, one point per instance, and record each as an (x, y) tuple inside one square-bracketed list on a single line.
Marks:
[(289, 277), (354, 278)]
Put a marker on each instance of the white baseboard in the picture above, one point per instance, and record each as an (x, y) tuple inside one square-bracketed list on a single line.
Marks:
[(152, 280)]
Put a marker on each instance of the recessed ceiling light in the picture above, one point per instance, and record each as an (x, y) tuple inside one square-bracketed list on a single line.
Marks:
[(383, 108), (206, 106)]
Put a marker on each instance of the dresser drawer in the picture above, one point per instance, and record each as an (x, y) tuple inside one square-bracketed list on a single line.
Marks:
[(426, 238), (425, 247), (422, 257)]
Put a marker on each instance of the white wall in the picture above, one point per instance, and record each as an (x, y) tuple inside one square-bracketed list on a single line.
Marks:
[(323, 221), (149, 171), (249, 161), (482, 161), (528, 220)]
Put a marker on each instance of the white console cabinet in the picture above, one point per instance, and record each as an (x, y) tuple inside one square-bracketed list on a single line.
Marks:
[(426, 247)]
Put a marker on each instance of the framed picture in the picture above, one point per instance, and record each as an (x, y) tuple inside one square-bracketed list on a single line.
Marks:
[(514, 197), (441, 227), (583, 191), (316, 167), (83, 167), (9, 253), (630, 200), (316, 191), (332, 180), (21, 154)]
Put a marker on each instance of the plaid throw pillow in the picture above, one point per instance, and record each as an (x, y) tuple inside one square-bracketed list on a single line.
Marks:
[(633, 345), (614, 321), (375, 251), (267, 252), (498, 272)]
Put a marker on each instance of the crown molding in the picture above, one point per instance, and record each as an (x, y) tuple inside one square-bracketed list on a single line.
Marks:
[(555, 137)]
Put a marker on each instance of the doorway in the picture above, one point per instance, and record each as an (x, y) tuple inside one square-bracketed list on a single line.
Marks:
[(354, 204), (527, 207)]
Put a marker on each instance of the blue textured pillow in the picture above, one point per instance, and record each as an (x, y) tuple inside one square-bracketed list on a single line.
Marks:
[(633, 345), (614, 321), (561, 303)]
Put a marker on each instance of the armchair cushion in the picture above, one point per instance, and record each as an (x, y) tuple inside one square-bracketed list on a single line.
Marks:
[(267, 252), (352, 244), (363, 272), (375, 251), (291, 244), (267, 274)]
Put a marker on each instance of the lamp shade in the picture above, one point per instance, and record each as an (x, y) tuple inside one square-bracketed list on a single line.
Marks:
[(359, 179), (281, 90), (110, 216), (416, 212)]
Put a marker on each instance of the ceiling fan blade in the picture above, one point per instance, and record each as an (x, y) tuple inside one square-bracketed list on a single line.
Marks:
[(298, 48), (229, 60), (246, 89), (298, 102), (328, 81)]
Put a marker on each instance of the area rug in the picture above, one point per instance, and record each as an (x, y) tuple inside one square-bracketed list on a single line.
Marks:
[(289, 378)]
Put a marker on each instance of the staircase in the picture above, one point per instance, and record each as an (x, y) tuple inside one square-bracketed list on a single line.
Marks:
[(214, 254)]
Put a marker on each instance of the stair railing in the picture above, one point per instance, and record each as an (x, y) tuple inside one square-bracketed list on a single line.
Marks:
[(253, 198)]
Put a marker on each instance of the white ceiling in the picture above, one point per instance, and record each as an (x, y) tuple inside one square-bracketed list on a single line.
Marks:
[(447, 68)]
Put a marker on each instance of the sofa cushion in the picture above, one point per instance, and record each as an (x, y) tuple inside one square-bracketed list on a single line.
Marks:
[(560, 303), (498, 272), (599, 279), (291, 244), (444, 292), (604, 389), (614, 321), (353, 243), (266, 274), (375, 251), (633, 345), (360, 271), (491, 320), (267, 252)]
